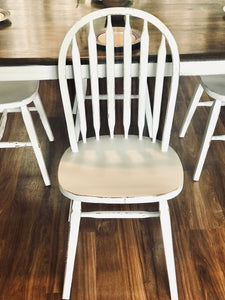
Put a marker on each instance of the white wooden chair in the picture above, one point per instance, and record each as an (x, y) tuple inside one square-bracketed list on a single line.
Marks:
[(214, 86), (15, 97), (119, 169)]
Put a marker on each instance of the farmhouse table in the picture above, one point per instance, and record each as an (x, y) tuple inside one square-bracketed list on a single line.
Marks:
[(31, 36)]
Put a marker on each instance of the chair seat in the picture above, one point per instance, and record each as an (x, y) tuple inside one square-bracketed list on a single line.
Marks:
[(214, 86), (120, 168), (17, 91)]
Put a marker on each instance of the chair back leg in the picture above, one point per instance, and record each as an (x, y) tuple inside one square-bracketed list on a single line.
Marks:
[(209, 130), (191, 110), (35, 144), (3, 123), (43, 117)]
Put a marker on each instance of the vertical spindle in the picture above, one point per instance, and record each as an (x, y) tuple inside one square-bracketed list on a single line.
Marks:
[(93, 61), (127, 76), (110, 75), (143, 78)]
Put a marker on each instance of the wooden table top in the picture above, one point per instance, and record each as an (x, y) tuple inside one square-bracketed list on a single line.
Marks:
[(35, 29)]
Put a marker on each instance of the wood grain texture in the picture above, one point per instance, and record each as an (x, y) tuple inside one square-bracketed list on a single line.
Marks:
[(35, 29), (119, 259)]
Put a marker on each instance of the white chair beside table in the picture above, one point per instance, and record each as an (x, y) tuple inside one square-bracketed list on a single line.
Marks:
[(119, 169), (15, 96), (214, 86)]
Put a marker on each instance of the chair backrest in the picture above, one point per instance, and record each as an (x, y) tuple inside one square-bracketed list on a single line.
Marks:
[(88, 62)]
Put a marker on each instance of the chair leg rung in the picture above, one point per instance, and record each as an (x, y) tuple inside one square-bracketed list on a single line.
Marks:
[(14, 144), (120, 214)]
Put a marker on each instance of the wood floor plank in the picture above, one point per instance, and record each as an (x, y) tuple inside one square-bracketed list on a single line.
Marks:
[(116, 259)]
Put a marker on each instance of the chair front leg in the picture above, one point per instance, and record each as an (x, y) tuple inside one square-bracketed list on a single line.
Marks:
[(75, 216), (168, 247)]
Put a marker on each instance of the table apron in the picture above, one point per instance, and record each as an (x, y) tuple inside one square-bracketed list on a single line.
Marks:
[(50, 72)]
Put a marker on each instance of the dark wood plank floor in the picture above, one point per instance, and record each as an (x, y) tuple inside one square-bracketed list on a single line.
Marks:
[(119, 260)]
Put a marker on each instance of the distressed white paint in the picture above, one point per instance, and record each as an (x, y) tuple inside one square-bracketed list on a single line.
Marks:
[(120, 214), (214, 86), (79, 89), (3, 121), (75, 213), (14, 98), (127, 157), (127, 77), (159, 87), (110, 61), (193, 67), (144, 49), (94, 79)]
